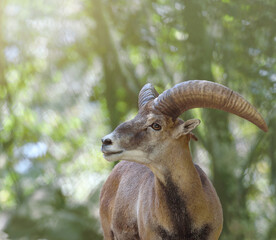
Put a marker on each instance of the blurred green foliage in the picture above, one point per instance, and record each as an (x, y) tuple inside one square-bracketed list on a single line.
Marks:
[(71, 71)]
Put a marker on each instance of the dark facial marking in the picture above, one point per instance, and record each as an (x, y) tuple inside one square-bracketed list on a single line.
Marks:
[(135, 132), (132, 133), (180, 217)]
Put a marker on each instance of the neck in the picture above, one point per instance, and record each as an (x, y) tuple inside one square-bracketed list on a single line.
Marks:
[(177, 166), (178, 191)]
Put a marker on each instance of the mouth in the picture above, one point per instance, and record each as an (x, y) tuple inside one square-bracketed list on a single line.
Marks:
[(107, 153)]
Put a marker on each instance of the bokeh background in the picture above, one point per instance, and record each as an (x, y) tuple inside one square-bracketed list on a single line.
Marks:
[(71, 71)]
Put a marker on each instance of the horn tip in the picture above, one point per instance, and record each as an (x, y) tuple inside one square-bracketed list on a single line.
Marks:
[(264, 127)]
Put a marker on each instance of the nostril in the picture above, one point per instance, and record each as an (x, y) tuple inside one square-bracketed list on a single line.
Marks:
[(106, 141)]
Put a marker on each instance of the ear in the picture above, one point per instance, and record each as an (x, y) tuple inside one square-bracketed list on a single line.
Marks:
[(186, 127)]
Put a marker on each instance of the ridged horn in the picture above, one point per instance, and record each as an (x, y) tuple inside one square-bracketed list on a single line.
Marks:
[(146, 94), (205, 94)]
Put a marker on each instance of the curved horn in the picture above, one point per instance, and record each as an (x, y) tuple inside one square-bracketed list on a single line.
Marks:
[(146, 94), (205, 94)]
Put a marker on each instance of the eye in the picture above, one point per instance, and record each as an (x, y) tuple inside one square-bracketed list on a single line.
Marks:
[(156, 126)]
